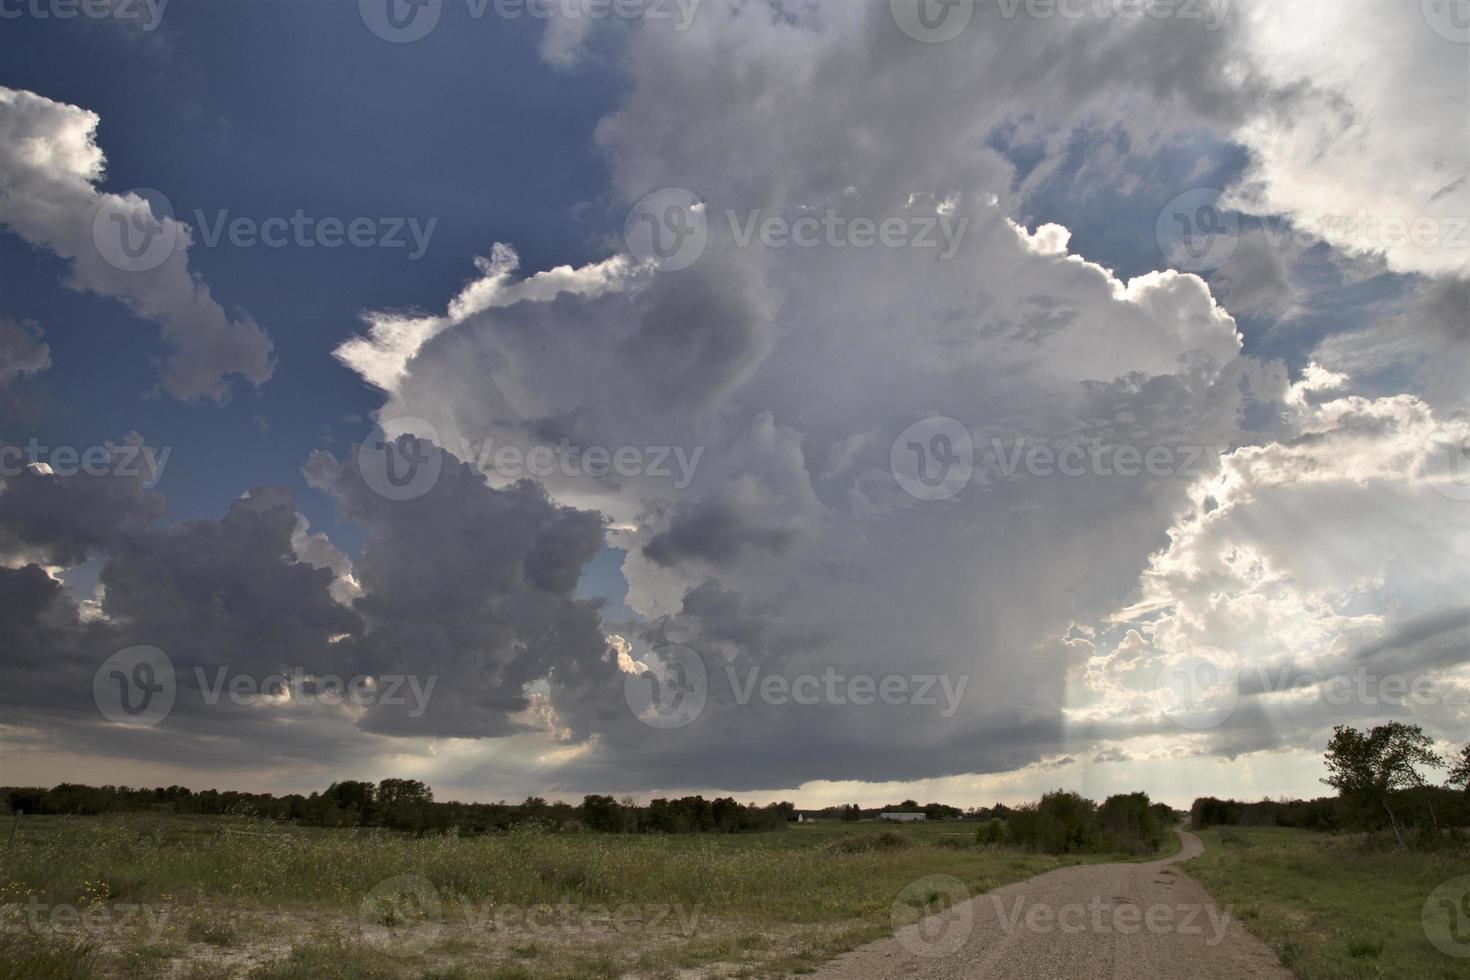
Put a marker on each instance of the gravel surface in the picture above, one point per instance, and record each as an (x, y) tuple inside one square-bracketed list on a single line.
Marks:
[(1136, 921)]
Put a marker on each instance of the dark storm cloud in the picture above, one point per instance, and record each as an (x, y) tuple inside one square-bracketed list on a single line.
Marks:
[(473, 586), (61, 519), (468, 589), (209, 593), (719, 528)]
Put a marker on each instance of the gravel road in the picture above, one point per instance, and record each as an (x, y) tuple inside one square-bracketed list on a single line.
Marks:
[(1139, 921)]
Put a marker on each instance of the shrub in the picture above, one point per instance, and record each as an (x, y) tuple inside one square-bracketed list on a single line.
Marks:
[(1129, 823), (991, 833), (1063, 822)]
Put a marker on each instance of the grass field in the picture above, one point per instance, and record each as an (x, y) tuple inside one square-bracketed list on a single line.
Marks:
[(187, 897), (1331, 909)]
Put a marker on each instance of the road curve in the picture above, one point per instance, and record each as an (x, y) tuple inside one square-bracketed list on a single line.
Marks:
[(1094, 922)]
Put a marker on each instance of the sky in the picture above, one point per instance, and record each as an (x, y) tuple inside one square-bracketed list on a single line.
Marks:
[(823, 400)]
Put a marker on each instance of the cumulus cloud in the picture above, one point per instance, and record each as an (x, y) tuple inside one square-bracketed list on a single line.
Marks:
[(793, 370), (472, 585), (118, 245), (807, 555), (1287, 524), (1370, 161), (1319, 572), (465, 597)]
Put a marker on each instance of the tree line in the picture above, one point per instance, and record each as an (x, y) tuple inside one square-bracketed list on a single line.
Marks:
[(408, 805), (1382, 785)]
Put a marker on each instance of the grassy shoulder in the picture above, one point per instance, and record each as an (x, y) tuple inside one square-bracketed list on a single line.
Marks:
[(242, 898), (1331, 909)]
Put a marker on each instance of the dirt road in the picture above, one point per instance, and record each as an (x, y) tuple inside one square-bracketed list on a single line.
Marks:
[(1108, 921)]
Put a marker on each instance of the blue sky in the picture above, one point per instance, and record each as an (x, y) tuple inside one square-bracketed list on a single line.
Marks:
[(259, 109)]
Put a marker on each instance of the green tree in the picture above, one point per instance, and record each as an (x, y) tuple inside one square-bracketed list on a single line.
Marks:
[(1368, 768), (1131, 822), (1460, 769), (602, 813), (353, 797)]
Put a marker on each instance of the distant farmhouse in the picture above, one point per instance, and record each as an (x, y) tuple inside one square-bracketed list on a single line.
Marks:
[(900, 816)]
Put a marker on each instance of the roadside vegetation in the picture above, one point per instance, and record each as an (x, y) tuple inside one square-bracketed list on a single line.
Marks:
[(261, 899), (1358, 885), (1332, 906)]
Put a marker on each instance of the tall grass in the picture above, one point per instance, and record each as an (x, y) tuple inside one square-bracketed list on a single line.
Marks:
[(819, 889), (1333, 907), (798, 874)]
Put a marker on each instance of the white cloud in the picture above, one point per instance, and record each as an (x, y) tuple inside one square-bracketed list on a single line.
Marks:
[(50, 169), (1370, 154)]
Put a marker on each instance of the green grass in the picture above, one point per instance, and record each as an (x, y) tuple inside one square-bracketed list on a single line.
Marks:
[(1331, 908), (766, 903)]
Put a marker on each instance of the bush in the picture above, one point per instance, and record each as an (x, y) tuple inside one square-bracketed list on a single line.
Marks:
[(1129, 823), (1063, 822), (991, 833)]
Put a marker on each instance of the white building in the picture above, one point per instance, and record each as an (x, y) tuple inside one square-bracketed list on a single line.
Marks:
[(900, 817)]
